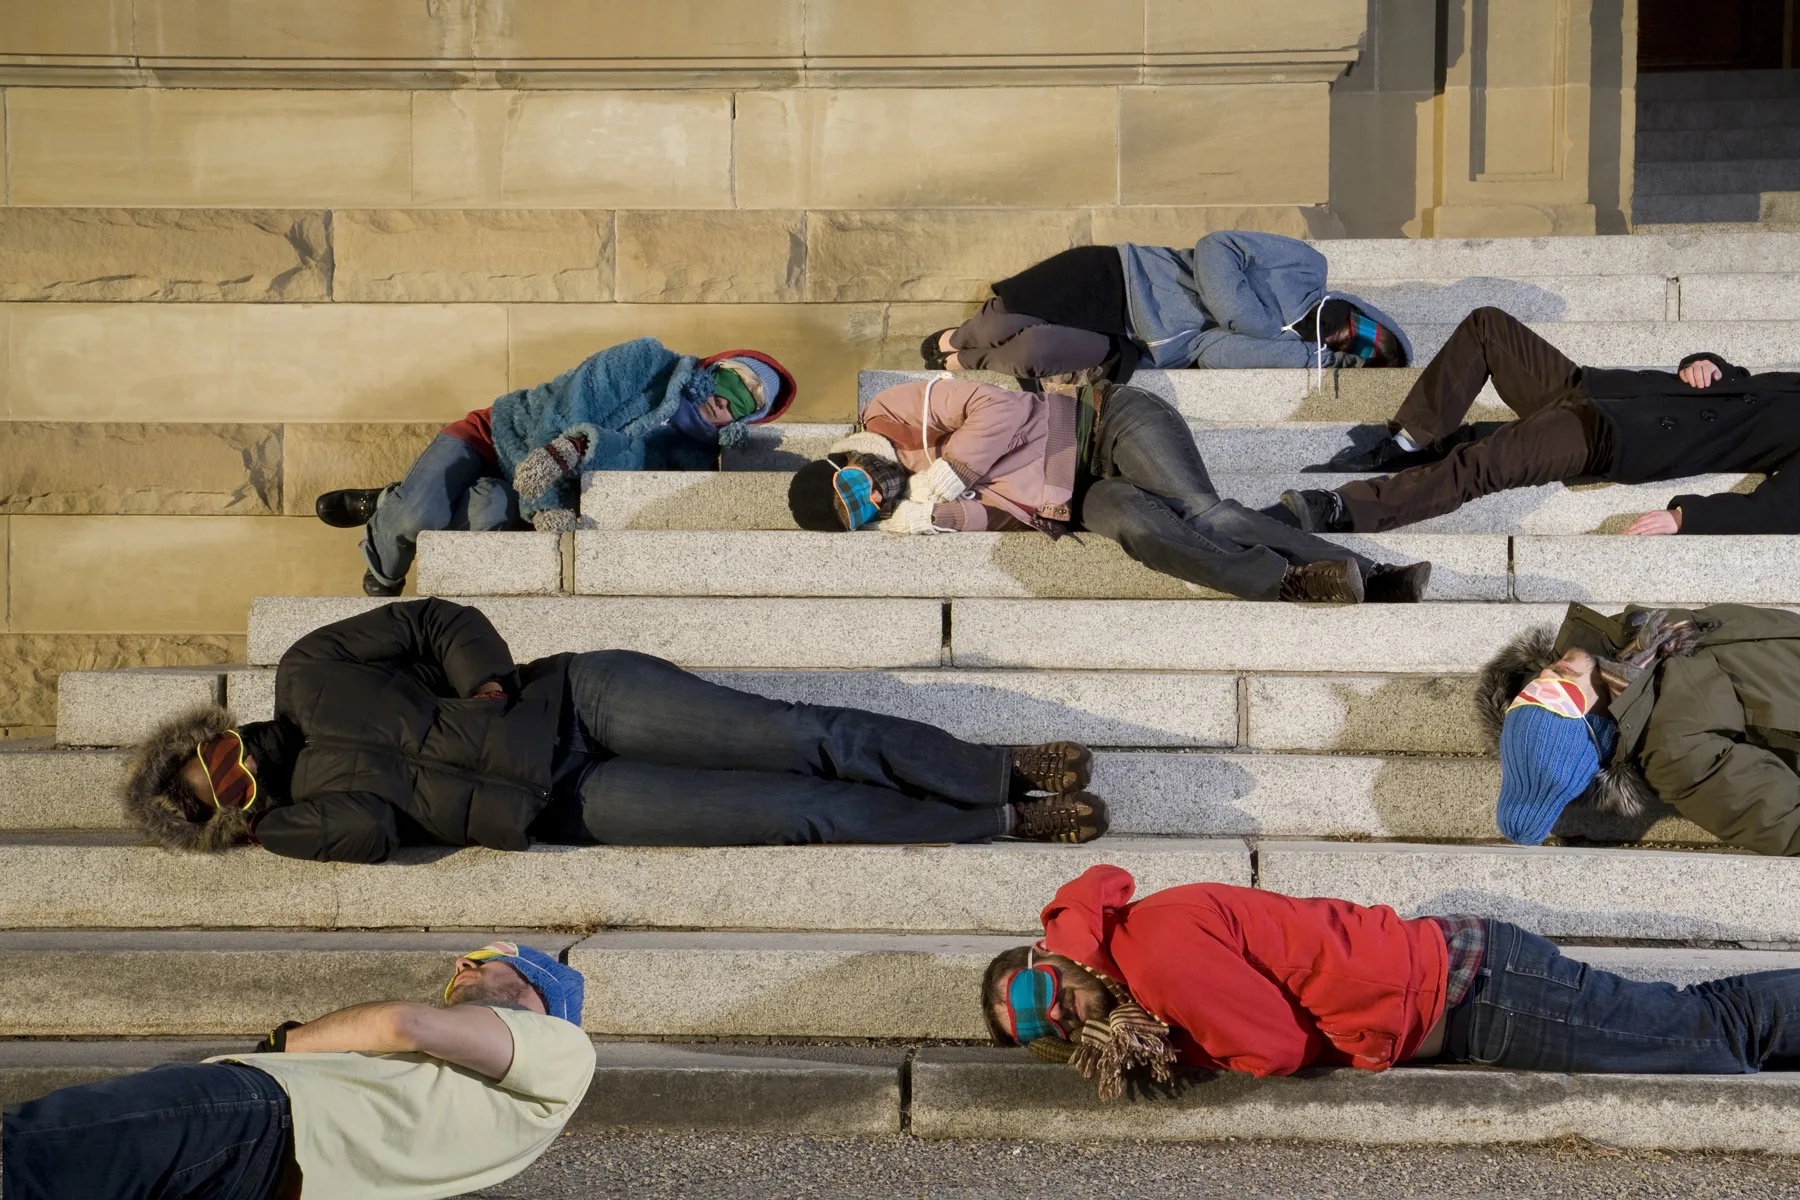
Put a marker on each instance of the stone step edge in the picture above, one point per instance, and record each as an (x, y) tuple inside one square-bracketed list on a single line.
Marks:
[(937, 1092)]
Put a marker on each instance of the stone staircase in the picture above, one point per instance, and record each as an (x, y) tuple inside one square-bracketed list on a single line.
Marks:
[(1718, 147), (1318, 751)]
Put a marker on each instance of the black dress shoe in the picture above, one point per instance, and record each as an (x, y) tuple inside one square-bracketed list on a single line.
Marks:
[(1334, 581), (347, 508), (1317, 510), (1389, 583), (931, 351), (374, 587), (1384, 456)]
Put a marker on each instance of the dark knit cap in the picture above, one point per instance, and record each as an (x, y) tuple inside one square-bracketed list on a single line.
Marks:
[(813, 500)]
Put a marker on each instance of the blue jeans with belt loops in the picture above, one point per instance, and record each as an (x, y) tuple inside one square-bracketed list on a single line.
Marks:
[(1533, 1008), (449, 486)]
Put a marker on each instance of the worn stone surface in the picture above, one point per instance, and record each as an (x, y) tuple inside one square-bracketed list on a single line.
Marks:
[(1364, 714), (155, 146), (164, 254), (428, 255), (1547, 298), (76, 984), (66, 467), (1740, 297), (990, 1093), (831, 1090), (696, 256), (1207, 145), (1676, 256), (907, 325), (577, 149), (321, 457), (1695, 570), (93, 881), (1235, 635), (80, 27), (843, 28), (1555, 891), (779, 563), (1183, 225), (31, 662), (102, 575), (253, 362), (490, 564), (823, 345), (734, 499), (117, 708), (929, 254), (916, 147), (43, 787), (1760, 345), (250, 693), (790, 633)]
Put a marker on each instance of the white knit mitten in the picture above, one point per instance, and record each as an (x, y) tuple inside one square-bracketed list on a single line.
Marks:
[(548, 465), (911, 516), (940, 485)]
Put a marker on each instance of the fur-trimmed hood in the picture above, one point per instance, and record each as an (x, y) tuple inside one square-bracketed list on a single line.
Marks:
[(1620, 788), (155, 768)]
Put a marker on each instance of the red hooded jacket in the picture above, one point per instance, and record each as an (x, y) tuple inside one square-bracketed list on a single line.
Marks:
[(1255, 981)]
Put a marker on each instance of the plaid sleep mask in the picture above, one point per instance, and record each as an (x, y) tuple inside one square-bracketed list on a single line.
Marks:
[(851, 487), (231, 783), (1028, 996)]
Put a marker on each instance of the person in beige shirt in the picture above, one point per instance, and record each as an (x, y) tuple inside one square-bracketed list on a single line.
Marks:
[(390, 1099)]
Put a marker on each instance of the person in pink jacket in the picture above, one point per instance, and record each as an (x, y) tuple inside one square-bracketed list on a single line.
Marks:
[(951, 455)]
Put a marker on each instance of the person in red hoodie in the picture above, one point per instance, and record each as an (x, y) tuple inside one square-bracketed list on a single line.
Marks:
[(1215, 977)]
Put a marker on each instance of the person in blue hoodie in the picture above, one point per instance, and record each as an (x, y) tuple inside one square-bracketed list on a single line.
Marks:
[(637, 406), (1233, 300)]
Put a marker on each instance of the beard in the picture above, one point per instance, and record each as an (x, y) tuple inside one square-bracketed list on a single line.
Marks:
[(507, 990)]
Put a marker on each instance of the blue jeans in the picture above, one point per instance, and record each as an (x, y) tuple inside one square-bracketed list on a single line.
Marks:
[(1152, 495), (668, 759), (450, 486), (215, 1130), (1534, 1009)]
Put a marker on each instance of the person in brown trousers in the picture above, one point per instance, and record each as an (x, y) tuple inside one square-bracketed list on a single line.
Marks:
[(1575, 423)]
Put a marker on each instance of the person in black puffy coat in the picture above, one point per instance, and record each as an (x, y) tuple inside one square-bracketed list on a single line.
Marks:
[(410, 724)]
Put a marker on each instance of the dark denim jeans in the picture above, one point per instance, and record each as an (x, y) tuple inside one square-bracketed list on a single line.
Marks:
[(1152, 495), (215, 1130), (1534, 1009), (449, 486), (673, 760)]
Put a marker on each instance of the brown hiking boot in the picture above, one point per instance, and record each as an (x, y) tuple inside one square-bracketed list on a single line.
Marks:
[(1074, 818), (1334, 581), (1052, 767)]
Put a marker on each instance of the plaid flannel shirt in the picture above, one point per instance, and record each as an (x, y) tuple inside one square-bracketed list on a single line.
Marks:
[(1465, 938)]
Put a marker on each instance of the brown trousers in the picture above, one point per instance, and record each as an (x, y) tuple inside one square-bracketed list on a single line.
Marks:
[(996, 340), (1559, 434)]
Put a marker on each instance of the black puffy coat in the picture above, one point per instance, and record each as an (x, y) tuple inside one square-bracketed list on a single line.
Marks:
[(376, 741)]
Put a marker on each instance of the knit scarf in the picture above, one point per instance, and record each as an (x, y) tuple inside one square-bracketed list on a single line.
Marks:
[(1658, 636), (1128, 1038)]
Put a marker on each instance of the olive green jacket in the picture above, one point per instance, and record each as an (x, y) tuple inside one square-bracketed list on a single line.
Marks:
[(1716, 732)]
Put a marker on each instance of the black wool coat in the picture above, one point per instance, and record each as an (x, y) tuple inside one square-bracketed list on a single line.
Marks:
[(378, 740), (1663, 429)]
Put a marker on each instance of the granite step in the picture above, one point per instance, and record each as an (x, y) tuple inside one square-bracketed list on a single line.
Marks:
[(703, 984), (1711, 178), (1716, 145), (1671, 255), (757, 500), (108, 881), (1710, 86), (1719, 114), (1678, 208)]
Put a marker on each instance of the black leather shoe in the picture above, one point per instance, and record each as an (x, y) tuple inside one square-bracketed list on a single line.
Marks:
[(374, 587), (1385, 456), (1389, 583), (347, 508), (1334, 581), (931, 351), (1317, 510)]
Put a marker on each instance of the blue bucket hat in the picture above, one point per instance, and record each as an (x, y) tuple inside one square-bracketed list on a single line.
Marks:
[(562, 988), (1546, 761)]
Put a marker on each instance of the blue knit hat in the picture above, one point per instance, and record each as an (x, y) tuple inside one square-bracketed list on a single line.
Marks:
[(561, 987), (1546, 761)]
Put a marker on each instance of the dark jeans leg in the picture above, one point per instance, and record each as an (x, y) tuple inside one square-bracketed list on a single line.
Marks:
[(188, 1129), (996, 340), (1528, 372), (629, 803), (1538, 1010), (449, 486), (650, 711), (1550, 445), (1156, 500)]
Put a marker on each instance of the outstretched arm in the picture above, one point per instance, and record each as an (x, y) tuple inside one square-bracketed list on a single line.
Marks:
[(1773, 507), (468, 1035)]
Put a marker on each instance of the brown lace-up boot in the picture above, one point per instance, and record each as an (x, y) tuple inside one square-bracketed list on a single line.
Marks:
[(1334, 581), (1075, 817), (1052, 767)]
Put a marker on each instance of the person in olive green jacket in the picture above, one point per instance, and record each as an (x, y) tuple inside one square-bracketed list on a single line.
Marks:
[(1696, 708)]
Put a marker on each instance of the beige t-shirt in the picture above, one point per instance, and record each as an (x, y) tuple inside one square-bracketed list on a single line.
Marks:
[(412, 1127)]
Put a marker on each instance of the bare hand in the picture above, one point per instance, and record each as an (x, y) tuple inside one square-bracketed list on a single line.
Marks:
[(1652, 524), (1702, 373), (491, 690)]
